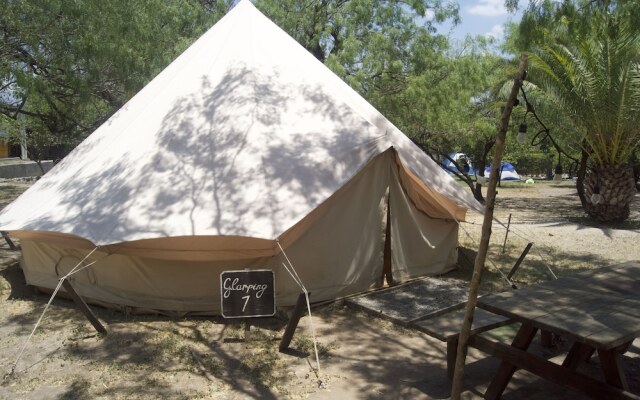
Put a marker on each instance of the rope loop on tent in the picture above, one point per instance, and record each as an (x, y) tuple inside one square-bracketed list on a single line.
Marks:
[(291, 270), (60, 281)]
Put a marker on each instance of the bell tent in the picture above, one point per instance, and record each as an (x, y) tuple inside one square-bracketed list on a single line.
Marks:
[(243, 145)]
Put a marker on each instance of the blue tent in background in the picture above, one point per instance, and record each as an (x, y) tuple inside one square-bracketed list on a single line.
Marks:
[(507, 172), (463, 161)]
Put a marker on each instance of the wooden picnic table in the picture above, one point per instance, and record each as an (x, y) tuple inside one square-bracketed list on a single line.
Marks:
[(598, 311)]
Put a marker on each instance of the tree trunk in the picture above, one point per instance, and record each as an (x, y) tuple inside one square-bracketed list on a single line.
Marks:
[(477, 190), (465, 330), (608, 193), (581, 173), (477, 193), (636, 172)]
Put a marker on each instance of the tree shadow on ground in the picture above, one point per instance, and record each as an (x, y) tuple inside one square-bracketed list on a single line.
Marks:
[(154, 356), (137, 354), (565, 209)]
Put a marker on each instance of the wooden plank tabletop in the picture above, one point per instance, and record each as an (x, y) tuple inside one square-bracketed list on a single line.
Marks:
[(447, 326), (600, 307)]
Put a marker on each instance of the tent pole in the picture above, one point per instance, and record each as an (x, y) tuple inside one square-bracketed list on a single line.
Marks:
[(456, 387)]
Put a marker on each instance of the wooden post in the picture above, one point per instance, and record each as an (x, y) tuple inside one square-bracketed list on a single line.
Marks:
[(293, 322), (83, 306), (520, 259), (456, 387), (452, 354), (506, 235), (7, 239)]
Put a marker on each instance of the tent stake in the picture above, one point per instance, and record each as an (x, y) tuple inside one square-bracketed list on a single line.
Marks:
[(83, 307), (456, 387), (7, 239), (520, 259), (506, 235), (293, 322)]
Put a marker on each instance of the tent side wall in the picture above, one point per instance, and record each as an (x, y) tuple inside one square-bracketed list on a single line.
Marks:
[(339, 252), (132, 281)]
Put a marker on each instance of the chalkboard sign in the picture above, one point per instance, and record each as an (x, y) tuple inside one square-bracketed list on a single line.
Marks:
[(247, 293)]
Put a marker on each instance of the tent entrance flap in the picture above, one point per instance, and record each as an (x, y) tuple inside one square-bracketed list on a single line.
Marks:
[(420, 244)]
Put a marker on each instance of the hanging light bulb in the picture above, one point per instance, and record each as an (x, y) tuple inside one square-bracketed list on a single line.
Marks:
[(522, 133)]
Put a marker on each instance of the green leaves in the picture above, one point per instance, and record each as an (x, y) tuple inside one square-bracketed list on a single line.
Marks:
[(389, 52), (66, 65), (596, 82)]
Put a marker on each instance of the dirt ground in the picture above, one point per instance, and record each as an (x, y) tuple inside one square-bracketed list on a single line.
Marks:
[(361, 357)]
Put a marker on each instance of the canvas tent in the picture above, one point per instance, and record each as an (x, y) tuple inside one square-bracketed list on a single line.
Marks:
[(507, 172), (244, 142)]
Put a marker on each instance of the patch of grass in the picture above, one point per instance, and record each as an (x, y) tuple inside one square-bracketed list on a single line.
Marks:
[(261, 361), (82, 330), (234, 331), (204, 363), (26, 386), (78, 390), (304, 343)]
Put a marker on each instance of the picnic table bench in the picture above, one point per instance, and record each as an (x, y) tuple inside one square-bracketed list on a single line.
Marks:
[(446, 328), (596, 310)]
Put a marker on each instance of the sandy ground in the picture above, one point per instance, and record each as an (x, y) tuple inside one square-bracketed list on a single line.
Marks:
[(361, 357)]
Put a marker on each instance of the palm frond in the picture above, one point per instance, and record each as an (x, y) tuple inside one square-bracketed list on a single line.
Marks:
[(596, 82)]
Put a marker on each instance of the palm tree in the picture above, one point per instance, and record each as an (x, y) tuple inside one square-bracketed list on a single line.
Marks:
[(596, 82)]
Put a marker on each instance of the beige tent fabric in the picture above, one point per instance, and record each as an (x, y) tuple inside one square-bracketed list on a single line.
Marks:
[(429, 201), (243, 135), (132, 281), (243, 140), (339, 254)]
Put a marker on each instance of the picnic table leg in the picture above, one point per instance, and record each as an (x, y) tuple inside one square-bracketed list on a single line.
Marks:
[(579, 353), (611, 367), (546, 338), (624, 348), (499, 383)]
